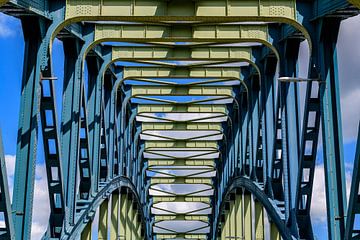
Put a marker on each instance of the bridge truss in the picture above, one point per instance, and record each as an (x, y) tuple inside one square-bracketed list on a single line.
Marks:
[(186, 143)]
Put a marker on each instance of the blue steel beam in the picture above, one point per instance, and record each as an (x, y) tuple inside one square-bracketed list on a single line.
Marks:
[(308, 151), (71, 123), (95, 102), (331, 127), (74, 141), (104, 161), (28, 128), (268, 69), (53, 159), (290, 128)]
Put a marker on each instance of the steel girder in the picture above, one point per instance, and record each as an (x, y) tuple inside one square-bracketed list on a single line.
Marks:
[(250, 124)]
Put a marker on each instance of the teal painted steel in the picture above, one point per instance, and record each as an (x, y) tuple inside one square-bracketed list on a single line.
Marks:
[(28, 129), (53, 159), (263, 150), (331, 130)]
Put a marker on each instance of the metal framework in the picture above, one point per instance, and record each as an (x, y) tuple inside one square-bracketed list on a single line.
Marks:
[(200, 137)]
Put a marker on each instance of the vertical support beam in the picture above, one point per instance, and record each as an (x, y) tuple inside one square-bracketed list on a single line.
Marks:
[(138, 227), (331, 130), (290, 129), (103, 220), (23, 194), (5, 206), (259, 221), (223, 232), (254, 124), (115, 215), (247, 216), (129, 214), (110, 123), (70, 123), (123, 215), (308, 151), (95, 119), (133, 223), (239, 216), (104, 161), (269, 118), (232, 219), (87, 232), (53, 160), (227, 223)]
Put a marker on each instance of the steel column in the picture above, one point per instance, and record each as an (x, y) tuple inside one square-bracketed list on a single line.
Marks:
[(331, 129), (70, 123), (23, 194)]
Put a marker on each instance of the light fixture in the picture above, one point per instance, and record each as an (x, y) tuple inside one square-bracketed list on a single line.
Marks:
[(295, 79)]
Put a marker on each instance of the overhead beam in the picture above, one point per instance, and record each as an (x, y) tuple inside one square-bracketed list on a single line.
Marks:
[(182, 53), (183, 10)]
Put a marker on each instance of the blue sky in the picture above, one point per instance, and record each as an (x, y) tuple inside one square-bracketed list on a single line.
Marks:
[(11, 62)]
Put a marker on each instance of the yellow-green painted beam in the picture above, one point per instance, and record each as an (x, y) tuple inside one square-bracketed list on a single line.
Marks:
[(259, 221), (179, 72), (181, 217), (123, 216), (182, 162), (157, 108), (182, 54), (3, 2), (205, 33), (133, 223), (180, 180), (157, 199), (138, 230), (232, 219), (171, 91), (103, 220), (274, 232), (227, 226), (355, 3), (248, 217), (87, 232), (181, 126), (239, 216), (181, 144), (115, 216), (183, 10), (181, 236), (128, 232)]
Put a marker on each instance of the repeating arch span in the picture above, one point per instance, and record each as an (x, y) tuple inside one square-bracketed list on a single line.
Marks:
[(179, 119)]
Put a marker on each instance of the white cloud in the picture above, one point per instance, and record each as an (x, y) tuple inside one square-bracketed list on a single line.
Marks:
[(41, 208), (350, 114), (6, 28), (318, 204), (348, 55), (10, 165)]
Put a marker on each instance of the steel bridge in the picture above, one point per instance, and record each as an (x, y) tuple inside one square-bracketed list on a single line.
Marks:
[(200, 138)]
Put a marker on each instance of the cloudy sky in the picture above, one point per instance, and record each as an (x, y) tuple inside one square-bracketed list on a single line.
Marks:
[(11, 61)]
